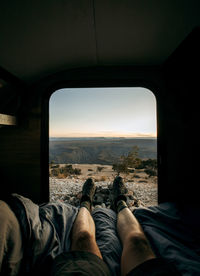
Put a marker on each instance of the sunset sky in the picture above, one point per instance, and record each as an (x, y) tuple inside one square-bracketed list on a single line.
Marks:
[(97, 112)]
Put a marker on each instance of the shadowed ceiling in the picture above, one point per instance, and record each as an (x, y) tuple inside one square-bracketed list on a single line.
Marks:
[(39, 38)]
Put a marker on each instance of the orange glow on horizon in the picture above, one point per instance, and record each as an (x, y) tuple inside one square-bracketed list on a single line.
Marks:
[(103, 134)]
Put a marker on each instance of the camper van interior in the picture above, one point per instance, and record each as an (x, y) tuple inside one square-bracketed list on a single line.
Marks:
[(50, 45)]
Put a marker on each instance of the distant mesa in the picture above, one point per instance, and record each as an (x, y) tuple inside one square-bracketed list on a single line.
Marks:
[(98, 150)]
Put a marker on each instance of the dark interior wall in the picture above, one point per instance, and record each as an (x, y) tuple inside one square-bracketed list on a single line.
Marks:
[(181, 143), (181, 122), (178, 140), (20, 150)]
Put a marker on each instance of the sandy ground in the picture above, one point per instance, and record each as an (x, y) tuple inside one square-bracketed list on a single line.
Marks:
[(144, 187)]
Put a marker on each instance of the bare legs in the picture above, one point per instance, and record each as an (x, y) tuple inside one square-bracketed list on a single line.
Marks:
[(83, 233), (136, 248)]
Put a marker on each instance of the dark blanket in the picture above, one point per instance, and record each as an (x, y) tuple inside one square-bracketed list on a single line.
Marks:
[(46, 233), (174, 233)]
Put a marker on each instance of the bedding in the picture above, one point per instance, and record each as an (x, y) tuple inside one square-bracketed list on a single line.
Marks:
[(173, 232)]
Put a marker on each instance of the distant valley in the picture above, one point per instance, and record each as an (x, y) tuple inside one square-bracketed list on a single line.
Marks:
[(105, 151)]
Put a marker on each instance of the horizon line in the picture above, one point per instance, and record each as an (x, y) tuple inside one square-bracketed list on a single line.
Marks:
[(155, 137), (103, 134)]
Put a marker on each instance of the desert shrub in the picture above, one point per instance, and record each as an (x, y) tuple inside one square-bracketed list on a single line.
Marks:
[(149, 163), (120, 168), (128, 162), (62, 172), (150, 166), (150, 172), (53, 165), (140, 166), (131, 159), (77, 171), (99, 169), (54, 172), (68, 169)]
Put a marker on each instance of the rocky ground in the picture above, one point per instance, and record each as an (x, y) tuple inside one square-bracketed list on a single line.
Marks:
[(142, 190)]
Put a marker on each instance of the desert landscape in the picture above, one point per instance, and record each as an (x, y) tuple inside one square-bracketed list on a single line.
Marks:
[(142, 188), (73, 160)]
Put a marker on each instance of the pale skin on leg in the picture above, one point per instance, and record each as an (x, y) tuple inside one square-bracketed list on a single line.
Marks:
[(83, 233), (136, 248)]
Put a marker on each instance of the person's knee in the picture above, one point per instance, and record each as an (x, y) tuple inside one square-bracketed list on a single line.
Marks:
[(136, 250), (83, 238), (137, 241)]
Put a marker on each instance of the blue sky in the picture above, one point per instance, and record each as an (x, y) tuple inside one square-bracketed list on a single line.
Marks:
[(109, 112)]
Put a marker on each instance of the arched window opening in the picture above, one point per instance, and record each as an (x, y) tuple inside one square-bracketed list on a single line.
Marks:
[(101, 133)]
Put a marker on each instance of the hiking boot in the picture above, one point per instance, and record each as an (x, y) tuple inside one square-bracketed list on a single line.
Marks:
[(119, 191), (88, 191)]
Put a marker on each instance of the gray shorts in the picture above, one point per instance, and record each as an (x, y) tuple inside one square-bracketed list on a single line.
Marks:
[(79, 263)]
